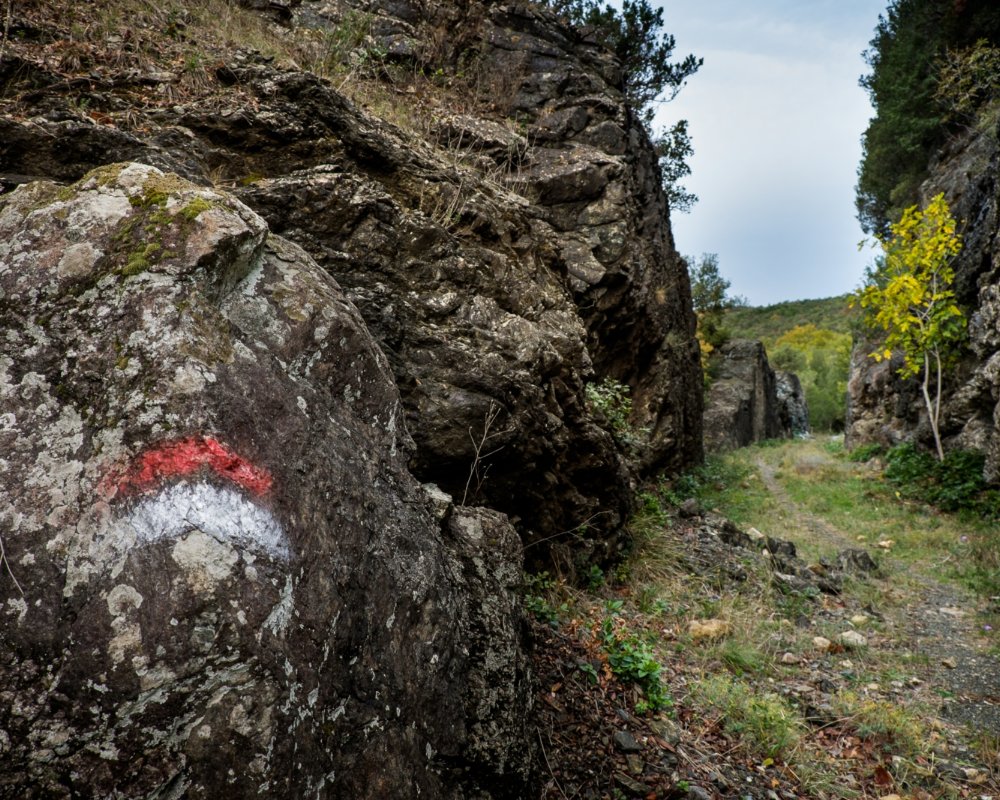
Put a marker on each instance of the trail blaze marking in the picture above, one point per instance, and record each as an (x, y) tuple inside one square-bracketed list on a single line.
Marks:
[(184, 457), (170, 509)]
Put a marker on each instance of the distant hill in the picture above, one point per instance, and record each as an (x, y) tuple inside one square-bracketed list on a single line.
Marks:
[(770, 323)]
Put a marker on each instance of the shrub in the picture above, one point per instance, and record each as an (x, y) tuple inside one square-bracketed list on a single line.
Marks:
[(865, 452), (763, 720), (612, 400), (954, 484)]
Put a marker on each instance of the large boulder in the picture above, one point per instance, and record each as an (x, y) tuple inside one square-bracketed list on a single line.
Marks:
[(742, 405), (219, 578)]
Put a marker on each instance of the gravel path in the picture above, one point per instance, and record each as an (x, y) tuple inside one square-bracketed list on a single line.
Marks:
[(939, 624)]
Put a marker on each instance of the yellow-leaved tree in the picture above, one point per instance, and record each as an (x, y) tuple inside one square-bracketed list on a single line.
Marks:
[(910, 298)]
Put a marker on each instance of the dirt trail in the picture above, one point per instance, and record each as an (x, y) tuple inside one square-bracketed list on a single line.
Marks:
[(938, 623)]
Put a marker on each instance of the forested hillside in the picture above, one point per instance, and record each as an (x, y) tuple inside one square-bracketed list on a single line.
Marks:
[(929, 67)]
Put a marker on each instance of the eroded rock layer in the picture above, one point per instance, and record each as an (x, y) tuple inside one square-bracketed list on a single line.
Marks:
[(743, 405)]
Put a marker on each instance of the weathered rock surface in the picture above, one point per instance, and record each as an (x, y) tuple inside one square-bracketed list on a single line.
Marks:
[(501, 266), (885, 409), (793, 410), (742, 405), (219, 577)]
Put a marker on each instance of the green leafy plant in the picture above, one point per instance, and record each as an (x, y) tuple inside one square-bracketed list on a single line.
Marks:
[(911, 300), (594, 577), (673, 149), (954, 484), (631, 659), (540, 594)]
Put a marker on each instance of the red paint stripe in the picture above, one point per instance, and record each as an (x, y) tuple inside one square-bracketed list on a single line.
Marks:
[(183, 457)]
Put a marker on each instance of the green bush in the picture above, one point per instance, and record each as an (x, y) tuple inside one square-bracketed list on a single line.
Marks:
[(865, 452), (955, 484), (540, 599)]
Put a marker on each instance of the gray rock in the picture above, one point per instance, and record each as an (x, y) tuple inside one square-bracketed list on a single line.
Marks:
[(626, 742), (793, 410), (885, 409), (230, 584), (742, 405), (501, 271)]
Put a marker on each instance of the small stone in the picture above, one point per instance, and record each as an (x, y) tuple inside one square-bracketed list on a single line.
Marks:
[(846, 664), (626, 742), (440, 501), (974, 775), (689, 508), (755, 534), (697, 793), (631, 785), (859, 619), (708, 629), (885, 544), (852, 639), (822, 644), (950, 663), (666, 730), (635, 764), (790, 658), (891, 797)]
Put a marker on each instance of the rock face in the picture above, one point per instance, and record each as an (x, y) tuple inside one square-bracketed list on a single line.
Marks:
[(793, 410), (742, 405), (503, 259), (220, 579), (884, 409)]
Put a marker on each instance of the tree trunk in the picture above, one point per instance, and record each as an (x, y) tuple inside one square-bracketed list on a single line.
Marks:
[(933, 407)]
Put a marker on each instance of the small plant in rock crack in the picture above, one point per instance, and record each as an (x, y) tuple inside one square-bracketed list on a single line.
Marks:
[(612, 400), (631, 659)]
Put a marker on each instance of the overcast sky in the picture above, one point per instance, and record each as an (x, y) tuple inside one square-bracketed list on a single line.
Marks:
[(775, 115)]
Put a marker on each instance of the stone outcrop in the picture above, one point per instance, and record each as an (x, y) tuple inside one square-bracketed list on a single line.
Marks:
[(503, 257), (219, 577), (883, 408), (742, 405), (793, 410)]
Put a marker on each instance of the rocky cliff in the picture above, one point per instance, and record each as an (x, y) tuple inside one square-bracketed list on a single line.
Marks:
[(294, 376), (884, 409), (506, 241), (748, 402)]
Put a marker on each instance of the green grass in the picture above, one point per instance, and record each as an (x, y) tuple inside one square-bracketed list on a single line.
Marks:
[(764, 722), (731, 485)]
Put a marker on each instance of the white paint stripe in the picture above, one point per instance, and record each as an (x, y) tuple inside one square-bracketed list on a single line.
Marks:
[(224, 514)]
